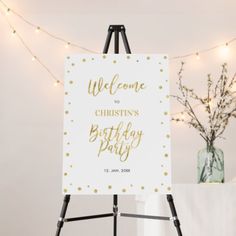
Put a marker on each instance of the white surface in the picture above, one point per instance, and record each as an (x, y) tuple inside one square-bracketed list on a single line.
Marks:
[(202, 209)]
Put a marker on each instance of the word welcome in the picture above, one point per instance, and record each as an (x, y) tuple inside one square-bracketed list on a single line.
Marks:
[(96, 87)]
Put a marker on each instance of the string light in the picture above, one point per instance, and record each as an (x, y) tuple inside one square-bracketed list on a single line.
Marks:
[(8, 11), (233, 89), (13, 32), (67, 45), (224, 50), (56, 83), (37, 30), (45, 31), (33, 57), (212, 103), (197, 56), (224, 47), (182, 115)]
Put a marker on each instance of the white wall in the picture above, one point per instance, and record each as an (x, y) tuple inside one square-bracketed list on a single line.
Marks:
[(31, 108)]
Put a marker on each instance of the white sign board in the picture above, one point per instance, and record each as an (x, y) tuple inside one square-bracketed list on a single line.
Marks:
[(116, 124)]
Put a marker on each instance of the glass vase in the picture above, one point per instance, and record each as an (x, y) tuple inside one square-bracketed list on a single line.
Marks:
[(211, 165)]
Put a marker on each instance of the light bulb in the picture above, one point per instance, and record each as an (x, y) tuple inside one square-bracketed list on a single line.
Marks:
[(224, 50), (227, 46), (212, 103), (8, 11), (56, 83), (37, 30), (233, 89), (67, 45), (197, 56)]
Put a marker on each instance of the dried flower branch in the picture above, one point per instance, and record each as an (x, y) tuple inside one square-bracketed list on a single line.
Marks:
[(219, 104)]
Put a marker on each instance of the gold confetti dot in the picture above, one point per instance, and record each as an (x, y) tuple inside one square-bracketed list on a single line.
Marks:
[(161, 70), (166, 155), (71, 166), (104, 56), (65, 174), (128, 57), (65, 190), (169, 188), (65, 133), (92, 59), (95, 190), (68, 57), (71, 82), (88, 186), (156, 190), (168, 136), (162, 184), (165, 113), (148, 58), (68, 143), (123, 190), (67, 154), (79, 188), (137, 60), (142, 187), (167, 96), (72, 64), (162, 123), (160, 87), (66, 112), (66, 93), (165, 57), (114, 61), (68, 71), (109, 187), (84, 60), (165, 173)]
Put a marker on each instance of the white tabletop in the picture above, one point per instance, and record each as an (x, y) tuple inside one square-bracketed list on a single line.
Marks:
[(204, 210)]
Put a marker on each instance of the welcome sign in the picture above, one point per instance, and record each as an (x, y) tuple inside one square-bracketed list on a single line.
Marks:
[(116, 124)]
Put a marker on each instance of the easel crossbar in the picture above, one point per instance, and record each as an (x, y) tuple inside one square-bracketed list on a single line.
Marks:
[(146, 216), (118, 214), (88, 217)]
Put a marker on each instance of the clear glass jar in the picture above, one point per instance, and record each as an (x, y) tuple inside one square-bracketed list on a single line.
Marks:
[(211, 165)]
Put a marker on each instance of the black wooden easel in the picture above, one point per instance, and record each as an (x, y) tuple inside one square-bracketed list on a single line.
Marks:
[(117, 29)]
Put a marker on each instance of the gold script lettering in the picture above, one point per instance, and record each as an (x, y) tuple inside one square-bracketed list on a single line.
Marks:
[(120, 139), (96, 87)]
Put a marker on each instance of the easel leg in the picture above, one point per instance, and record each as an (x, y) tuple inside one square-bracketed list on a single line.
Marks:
[(60, 222), (108, 40), (115, 210), (174, 214)]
